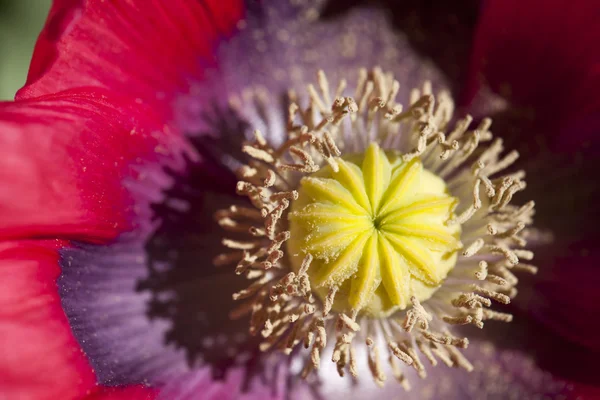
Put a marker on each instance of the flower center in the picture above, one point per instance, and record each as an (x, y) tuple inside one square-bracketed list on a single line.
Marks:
[(352, 238), (377, 231)]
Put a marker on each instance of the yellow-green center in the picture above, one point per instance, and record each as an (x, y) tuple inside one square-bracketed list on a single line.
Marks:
[(377, 230)]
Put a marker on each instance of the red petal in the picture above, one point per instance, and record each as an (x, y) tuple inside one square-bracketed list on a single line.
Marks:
[(540, 53), (63, 159), (40, 358), (566, 296), (146, 48), (583, 392), (118, 393)]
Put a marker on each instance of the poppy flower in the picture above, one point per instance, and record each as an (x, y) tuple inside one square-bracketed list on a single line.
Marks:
[(193, 192)]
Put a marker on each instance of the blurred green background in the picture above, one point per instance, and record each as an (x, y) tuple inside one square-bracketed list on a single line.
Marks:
[(20, 24)]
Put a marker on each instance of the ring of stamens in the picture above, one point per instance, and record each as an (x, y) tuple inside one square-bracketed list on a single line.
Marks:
[(280, 299)]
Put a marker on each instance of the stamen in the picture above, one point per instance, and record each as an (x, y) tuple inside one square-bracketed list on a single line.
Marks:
[(415, 315), (399, 354), (442, 354), (258, 154), (426, 350), (329, 300), (446, 340), (474, 248)]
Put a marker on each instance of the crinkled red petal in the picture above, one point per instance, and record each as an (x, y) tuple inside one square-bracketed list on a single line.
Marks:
[(540, 54), (567, 298), (148, 49), (40, 358), (64, 159)]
